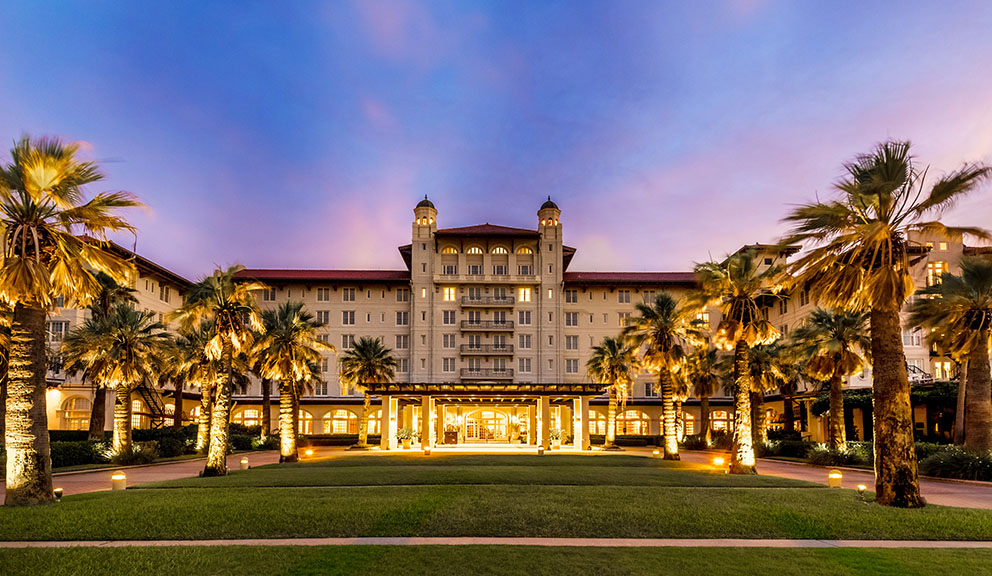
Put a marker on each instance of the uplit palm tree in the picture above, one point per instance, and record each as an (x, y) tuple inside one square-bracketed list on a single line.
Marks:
[(613, 364), (5, 319), (733, 285), (193, 366), (958, 313), (834, 344), (234, 313), (286, 350), (367, 362), (769, 371), (860, 258), (119, 351), (42, 213), (661, 330), (707, 376)]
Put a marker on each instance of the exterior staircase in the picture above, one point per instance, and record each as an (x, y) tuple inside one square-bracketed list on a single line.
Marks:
[(153, 400)]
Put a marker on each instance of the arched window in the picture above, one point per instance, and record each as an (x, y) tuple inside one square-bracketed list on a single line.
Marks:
[(194, 415), (248, 417), (720, 420), (474, 250), (632, 422), (76, 413), (524, 250), (499, 250), (597, 423), (170, 409), (449, 250), (306, 422), (375, 419), (341, 422)]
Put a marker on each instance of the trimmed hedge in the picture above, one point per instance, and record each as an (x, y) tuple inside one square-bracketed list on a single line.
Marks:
[(75, 453), (335, 439), (960, 463)]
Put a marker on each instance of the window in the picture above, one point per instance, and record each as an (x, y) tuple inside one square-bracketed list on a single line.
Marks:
[(571, 318), (499, 250), (269, 295), (571, 366), (525, 365), (649, 390), (447, 364), (500, 270), (597, 423), (76, 413), (450, 294), (703, 319), (320, 387), (783, 306), (348, 295), (571, 296), (525, 341), (322, 338), (551, 340), (449, 269), (525, 270), (648, 297), (347, 341), (912, 337), (402, 318), (551, 293), (448, 317), (164, 293), (632, 422), (324, 365), (524, 317), (306, 422), (571, 342), (448, 340), (449, 250), (404, 365), (474, 250), (525, 250), (624, 318), (934, 271), (323, 294), (348, 317), (324, 316), (60, 301), (402, 341), (57, 330), (525, 294), (341, 422), (784, 329), (137, 418), (248, 417), (403, 295), (941, 370), (804, 297), (768, 261), (943, 246), (475, 270), (623, 296)]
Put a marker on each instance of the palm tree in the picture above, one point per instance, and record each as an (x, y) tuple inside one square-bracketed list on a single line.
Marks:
[(120, 351), (733, 285), (704, 371), (42, 213), (959, 312), (286, 350), (234, 313), (661, 330), (613, 364), (110, 294), (193, 366), (835, 344), (860, 257), (769, 371), (367, 362)]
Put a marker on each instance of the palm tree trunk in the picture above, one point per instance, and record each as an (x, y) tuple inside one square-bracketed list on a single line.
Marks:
[(759, 428), (704, 420), (959, 431), (122, 420), (98, 414), (29, 462), (3, 405), (896, 480), (177, 413), (837, 436), (363, 423), (288, 450), (203, 424), (978, 398), (611, 421), (788, 412), (220, 418), (742, 451), (668, 415), (267, 407)]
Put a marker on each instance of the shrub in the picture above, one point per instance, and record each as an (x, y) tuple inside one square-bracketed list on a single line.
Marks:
[(856, 454), (336, 439), (240, 441), (271, 442), (404, 434), (722, 440), (242, 430), (73, 453), (68, 435), (781, 434), (694, 442), (960, 463), (925, 450), (141, 453)]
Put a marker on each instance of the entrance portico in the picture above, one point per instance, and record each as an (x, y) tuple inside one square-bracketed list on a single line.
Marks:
[(487, 413)]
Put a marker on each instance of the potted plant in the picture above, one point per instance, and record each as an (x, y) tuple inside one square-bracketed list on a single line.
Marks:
[(555, 436), (404, 435)]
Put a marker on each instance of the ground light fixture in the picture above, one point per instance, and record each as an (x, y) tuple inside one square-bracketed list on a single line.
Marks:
[(308, 452), (655, 453), (720, 464), (244, 463), (861, 492), (427, 450), (834, 478), (118, 481), (540, 450), (58, 494)]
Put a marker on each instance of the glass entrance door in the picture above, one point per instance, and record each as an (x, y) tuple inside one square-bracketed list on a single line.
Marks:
[(486, 426)]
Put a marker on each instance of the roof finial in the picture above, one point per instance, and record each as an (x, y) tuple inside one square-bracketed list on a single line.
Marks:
[(425, 197), (549, 197)]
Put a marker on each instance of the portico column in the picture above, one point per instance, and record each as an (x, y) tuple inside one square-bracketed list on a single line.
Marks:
[(532, 425), (388, 422), (544, 422), (426, 421), (580, 419)]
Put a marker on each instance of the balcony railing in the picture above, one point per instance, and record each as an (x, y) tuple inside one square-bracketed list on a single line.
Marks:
[(487, 349), (488, 325), (487, 301), (487, 373)]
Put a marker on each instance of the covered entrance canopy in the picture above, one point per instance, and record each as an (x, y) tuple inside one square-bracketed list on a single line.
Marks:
[(452, 413)]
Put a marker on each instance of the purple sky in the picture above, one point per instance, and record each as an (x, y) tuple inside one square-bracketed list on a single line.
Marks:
[(302, 135)]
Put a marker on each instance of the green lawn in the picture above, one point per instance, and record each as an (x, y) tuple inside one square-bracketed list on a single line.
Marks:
[(495, 495), (491, 560)]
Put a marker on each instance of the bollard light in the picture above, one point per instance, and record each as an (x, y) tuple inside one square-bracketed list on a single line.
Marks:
[(427, 450), (656, 453), (308, 452), (58, 494), (718, 462), (861, 489), (118, 481), (834, 478), (244, 463)]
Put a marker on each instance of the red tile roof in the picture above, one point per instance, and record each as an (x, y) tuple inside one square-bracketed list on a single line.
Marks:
[(686, 278), (488, 230), (383, 276)]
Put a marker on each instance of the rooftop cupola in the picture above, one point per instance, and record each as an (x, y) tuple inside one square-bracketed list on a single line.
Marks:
[(549, 214), (425, 213)]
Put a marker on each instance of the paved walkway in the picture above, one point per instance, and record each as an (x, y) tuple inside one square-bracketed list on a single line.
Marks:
[(940, 492), (98, 480), (484, 541)]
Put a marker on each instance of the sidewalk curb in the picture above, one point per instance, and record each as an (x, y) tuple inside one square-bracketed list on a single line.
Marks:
[(133, 466)]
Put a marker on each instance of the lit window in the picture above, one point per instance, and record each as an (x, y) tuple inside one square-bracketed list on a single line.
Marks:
[(341, 422), (525, 294), (449, 250), (934, 272), (524, 250), (499, 250), (943, 246), (306, 422), (474, 250), (449, 294)]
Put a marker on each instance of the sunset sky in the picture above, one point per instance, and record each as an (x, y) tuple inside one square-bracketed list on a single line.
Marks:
[(297, 134)]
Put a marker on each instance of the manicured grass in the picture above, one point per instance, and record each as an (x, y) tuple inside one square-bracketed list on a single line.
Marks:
[(491, 560)]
